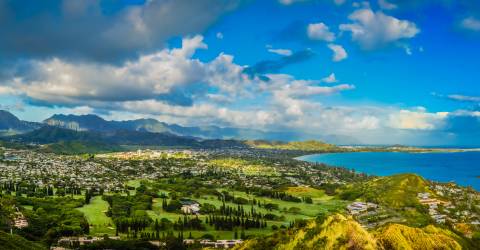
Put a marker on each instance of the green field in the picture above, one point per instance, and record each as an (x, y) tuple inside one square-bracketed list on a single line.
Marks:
[(322, 204), (98, 220)]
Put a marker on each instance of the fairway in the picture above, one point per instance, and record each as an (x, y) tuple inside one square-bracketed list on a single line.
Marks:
[(96, 217)]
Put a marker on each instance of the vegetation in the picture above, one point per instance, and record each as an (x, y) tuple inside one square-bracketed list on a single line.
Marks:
[(79, 147), (260, 196), (15, 242), (397, 236), (395, 191), (299, 146), (340, 232), (96, 214)]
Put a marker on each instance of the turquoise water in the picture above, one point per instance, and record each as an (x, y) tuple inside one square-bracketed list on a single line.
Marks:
[(462, 168)]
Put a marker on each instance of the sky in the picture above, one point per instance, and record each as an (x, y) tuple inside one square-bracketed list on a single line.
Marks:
[(375, 72)]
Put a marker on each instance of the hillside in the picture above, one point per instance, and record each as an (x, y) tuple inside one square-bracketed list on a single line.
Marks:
[(398, 237), (394, 191), (79, 147), (70, 141), (336, 232), (15, 242), (300, 146), (340, 232)]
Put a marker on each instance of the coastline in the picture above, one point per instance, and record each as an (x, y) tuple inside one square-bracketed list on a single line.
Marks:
[(437, 165)]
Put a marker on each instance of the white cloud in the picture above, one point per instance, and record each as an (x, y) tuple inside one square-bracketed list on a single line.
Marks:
[(464, 98), (320, 31), (417, 119), (330, 79), (289, 2), (376, 29), (384, 4), (282, 52), (339, 2), (81, 110), (288, 87), (219, 35), (471, 23), (150, 76), (339, 52)]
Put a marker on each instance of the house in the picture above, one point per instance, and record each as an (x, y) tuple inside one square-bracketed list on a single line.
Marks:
[(360, 207), (190, 206), (20, 221)]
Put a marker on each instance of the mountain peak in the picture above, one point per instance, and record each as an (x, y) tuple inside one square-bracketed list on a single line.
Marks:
[(9, 121)]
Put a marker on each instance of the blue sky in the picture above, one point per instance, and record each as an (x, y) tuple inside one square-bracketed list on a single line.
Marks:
[(374, 72)]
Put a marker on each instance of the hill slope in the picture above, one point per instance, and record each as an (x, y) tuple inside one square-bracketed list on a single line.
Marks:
[(401, 237), (49, 134), (110, 140), (394, 191), (340, 232), (9, 122), (15, 242)]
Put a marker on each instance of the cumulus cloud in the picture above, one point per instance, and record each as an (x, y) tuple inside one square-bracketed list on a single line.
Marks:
[(151, 84), (471, 23), (151, 76), (417, 119), (339, 53), (320, 31), (376, 29)]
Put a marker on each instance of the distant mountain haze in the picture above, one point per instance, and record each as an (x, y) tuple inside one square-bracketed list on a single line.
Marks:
[(94, 123), (9, 122)]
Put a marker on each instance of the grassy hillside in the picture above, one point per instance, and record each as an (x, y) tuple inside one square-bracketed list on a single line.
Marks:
[(79, 147), (336, 232), (301, 146), (396, 191), (15, 242), (397, 236), (340, 232)]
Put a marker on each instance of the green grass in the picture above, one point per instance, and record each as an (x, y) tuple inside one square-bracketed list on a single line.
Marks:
[(99, 222), (246, 167), (134, 183), (27, 207), (323, 204), (306, 192)]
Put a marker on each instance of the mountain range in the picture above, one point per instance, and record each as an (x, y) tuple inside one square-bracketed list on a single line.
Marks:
[(10, 124)]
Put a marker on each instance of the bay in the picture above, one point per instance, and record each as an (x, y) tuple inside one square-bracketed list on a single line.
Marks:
[(462, 168)]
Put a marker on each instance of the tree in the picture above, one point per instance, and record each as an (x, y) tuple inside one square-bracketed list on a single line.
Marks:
[(88, 196)]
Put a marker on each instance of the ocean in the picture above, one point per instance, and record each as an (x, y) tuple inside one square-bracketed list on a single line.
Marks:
[(461, 168)]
